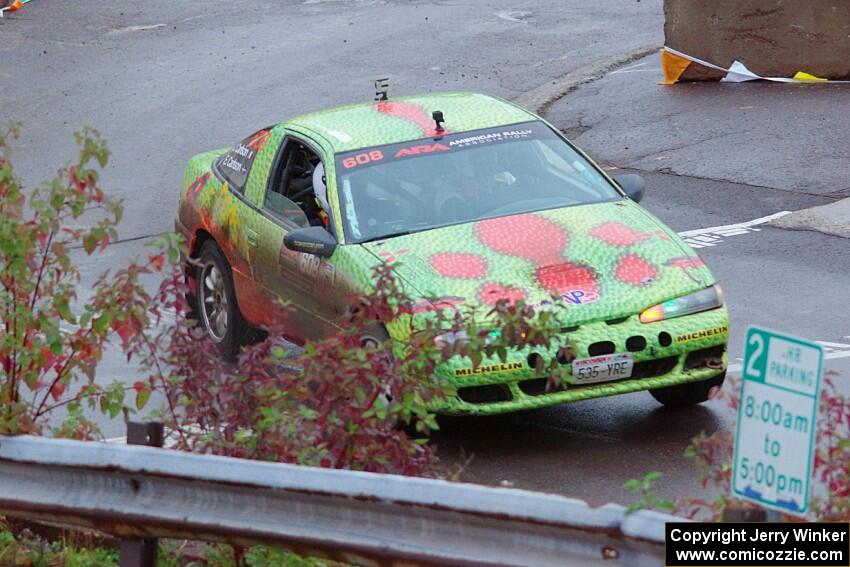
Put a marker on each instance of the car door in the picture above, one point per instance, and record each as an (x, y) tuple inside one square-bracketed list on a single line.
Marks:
[(304, 280), (232, 218)]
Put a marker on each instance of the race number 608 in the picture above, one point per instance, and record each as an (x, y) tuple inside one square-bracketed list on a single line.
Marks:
[(362, 159)]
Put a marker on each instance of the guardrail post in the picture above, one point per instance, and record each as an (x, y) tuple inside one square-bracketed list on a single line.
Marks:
[(141, 552)]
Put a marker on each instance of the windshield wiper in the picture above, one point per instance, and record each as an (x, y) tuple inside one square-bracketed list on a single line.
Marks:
[(386, 236)]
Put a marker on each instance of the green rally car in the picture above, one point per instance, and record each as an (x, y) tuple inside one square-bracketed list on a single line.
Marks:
[(471, 199)]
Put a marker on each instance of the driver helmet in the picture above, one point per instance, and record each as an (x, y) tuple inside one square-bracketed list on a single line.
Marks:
[(320, 189)]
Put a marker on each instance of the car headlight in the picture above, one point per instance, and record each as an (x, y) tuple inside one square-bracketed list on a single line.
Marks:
[(449, 338), (703, 300)]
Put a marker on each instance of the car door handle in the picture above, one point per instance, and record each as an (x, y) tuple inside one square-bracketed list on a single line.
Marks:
[(253, 239)]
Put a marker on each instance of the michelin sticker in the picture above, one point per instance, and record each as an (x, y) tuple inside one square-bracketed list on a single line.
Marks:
[(506, 367), (688, 337)]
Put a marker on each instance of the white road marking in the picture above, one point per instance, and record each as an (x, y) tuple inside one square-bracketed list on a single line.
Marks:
[(630, 68), (518, 16), (130, 29), (712, 236), (829, 347), (634, 69), (639, 71)]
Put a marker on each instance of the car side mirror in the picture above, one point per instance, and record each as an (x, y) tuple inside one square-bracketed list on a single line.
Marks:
[(311, 240), (633, 184)]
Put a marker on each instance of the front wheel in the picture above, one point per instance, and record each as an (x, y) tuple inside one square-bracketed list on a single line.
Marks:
[(216, 301), (374, 336), (688, 394)]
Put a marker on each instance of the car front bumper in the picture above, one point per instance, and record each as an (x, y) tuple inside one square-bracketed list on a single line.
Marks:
[(695, 351)]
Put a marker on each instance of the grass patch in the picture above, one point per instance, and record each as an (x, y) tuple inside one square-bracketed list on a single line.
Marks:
[(23, 548)]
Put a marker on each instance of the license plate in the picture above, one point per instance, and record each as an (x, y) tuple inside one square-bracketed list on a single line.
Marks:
[(603, 368)]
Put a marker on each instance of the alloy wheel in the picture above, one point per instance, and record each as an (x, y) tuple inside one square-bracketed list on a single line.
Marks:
[(214, 301)]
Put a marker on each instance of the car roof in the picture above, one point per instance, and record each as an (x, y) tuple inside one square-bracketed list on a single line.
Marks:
[(407, 118)]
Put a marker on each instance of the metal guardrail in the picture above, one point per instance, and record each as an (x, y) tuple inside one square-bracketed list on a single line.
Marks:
[(361, 518)]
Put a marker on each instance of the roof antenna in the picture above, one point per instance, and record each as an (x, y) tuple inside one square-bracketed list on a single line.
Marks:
[(437, 115), (381, 88)]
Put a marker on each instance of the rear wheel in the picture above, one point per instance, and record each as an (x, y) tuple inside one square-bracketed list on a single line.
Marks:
[(688, 394), (217, 309)]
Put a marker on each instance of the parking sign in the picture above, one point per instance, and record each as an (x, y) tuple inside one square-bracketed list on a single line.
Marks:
[(777, 420)]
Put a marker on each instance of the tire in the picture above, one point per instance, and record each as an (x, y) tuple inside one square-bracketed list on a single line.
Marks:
[(218, 311), (688, 394), (374, 336), (191, 273)]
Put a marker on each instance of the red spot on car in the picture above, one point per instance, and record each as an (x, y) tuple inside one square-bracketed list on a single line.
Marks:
[(492, 293), (459, 265), (618, 234), (566, 277), (686, 262), (390, 257), (527, 236), (412, 113), (634, 270)]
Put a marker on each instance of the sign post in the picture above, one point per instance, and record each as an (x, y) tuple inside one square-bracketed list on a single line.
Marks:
[(777, 420)]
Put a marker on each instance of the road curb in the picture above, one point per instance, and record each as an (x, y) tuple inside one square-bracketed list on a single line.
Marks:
[(832, 219), (539, 99)]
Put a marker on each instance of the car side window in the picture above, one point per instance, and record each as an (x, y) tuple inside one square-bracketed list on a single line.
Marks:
[(233, 167), (284, 209), (298, 169)]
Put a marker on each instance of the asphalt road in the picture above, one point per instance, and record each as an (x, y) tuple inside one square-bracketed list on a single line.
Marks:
[(164, 80)]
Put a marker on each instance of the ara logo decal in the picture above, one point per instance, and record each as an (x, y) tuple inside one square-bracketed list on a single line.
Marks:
[(579, 297), (422, 149)]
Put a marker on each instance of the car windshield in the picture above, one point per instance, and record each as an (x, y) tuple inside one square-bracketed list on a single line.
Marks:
[(423, 184)]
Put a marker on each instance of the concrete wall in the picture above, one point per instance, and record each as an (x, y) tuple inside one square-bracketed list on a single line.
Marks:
[(773, 38)]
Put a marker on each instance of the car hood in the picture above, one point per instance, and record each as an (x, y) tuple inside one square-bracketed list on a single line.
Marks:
[(603, 261)]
